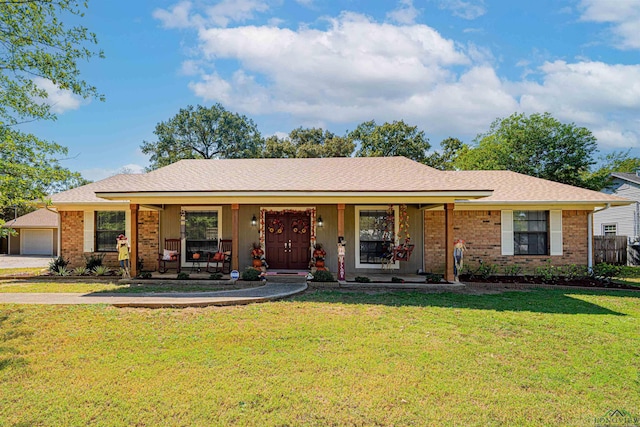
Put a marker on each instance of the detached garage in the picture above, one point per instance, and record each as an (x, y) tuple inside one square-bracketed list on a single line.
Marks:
[(37, 234)]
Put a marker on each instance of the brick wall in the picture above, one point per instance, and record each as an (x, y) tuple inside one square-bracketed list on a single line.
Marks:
[(148, 232), (72, 240), (482, 232)]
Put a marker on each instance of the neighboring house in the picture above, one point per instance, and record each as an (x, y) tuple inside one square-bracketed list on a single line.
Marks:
[(287, 205), (621, 220), (36, 234)]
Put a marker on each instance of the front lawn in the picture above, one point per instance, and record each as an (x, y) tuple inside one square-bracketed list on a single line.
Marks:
[(39, 286), (543, 357)]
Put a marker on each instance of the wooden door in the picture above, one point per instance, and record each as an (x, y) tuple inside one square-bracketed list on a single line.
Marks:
[(287, 240)]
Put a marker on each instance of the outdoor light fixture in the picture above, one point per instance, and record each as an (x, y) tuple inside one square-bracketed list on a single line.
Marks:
[(320, 222), (254, 220)]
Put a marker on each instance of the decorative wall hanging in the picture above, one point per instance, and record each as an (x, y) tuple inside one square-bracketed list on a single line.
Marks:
[(275, 226)]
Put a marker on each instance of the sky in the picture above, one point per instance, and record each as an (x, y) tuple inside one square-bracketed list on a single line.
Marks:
[(450, 67)]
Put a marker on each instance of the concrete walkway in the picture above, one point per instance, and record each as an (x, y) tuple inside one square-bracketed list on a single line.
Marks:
[(268, 292), (24, 261)]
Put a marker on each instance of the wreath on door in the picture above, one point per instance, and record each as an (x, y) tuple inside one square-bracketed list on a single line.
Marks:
[(275, 226), (299, 226)]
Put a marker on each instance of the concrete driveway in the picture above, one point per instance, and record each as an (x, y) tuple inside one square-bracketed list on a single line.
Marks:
[(24, 261)]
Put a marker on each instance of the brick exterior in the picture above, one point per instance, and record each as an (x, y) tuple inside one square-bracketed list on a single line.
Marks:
[(481, 231), (72, 238)]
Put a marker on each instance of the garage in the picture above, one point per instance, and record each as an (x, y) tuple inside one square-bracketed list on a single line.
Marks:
[(36, 242)]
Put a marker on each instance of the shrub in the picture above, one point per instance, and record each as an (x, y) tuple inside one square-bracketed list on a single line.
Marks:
[(144, 275), (397, 280), (433, 278), (362, 279), (573, 272), (629, 271), (80, 271), (57, 263), (93, 261), (605, 271), (548, 272), (512, 270), (251, 274), (62, 271), (323, 276), (101, 270), (486, 270), (183, 276), (215, 276)]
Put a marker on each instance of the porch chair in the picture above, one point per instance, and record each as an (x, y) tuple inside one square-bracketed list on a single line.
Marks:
[(220, 262), (170, 255)]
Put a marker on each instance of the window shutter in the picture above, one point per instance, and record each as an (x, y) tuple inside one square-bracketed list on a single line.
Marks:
[(555, 232), (89, 238), (507, 232)]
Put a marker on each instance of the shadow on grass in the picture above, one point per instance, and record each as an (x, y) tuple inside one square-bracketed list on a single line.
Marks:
[(539, 301), (9, 329)]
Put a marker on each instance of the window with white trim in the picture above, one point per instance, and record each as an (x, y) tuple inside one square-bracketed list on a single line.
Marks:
[(609, 229), (375, 233), (109, 224), (531, 232)]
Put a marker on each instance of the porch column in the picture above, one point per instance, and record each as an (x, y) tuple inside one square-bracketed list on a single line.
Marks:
[(133, 259), (448, 238), (341, 250), (341, 219), (235, 235)]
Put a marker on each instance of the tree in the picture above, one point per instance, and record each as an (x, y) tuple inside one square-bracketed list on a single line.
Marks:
[(390, 139), (203, 133), (36, 44), (310, 142), (538, 145), (37, 49), (617, 161), (445, 159)]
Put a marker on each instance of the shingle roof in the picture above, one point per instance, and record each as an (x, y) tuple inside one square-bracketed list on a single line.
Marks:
[(512, 187), (359, 174), (87, 193), (631, 177), (42, 218)]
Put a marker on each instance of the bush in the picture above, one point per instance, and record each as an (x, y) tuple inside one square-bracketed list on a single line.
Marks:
[(183, 276), (57, 263), (215, 276), (251, 274), (605, 271), (548, 272), (397, 280), (629, 271), (62, 271), (433, 278), (144, 275), (93, 261), (512, 270), (323, 276), (80, 271), (362, 279), (101, 270)]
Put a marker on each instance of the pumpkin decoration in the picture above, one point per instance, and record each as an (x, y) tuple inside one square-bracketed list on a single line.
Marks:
[(196, 256)]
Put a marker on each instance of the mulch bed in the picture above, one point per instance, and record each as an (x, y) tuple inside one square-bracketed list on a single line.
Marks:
[(586, 282)]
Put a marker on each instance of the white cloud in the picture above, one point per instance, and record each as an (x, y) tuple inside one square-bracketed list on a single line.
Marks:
[(60, 100), (177, 17), (623, 15), (593, 94), (220, 14), (471, 9), (406, 13)]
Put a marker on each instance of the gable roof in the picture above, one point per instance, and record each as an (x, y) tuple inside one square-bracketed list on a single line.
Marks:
[(631, 177), (41, 218), (513, 187)]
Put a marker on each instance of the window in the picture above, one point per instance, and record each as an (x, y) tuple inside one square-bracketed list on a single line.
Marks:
[(201, 232), (109, 224), (531, 232), (610, 229), (376, 232)]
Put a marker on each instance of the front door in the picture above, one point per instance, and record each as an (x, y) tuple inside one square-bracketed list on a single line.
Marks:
[(287, 240)]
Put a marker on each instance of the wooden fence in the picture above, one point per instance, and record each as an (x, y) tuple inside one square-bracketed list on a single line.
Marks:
[(610, 249)]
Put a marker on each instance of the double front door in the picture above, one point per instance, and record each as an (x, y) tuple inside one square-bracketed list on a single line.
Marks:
[(287, 240)]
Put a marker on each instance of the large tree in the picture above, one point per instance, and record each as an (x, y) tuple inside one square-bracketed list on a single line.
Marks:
[(617, 161), (390, 139), (445, 158), (308, 142), (203, 133), (536, 145), (37, 50)]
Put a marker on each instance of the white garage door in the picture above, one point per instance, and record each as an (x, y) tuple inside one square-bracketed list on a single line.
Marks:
[(36, 242)]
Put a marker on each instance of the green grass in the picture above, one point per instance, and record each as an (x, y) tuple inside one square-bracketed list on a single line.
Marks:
[(26, 286), (27, 271), (543, 357)]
